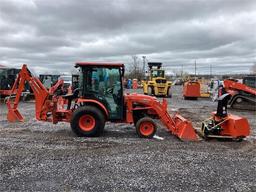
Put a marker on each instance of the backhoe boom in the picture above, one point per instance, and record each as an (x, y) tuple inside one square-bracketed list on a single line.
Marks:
[(42, 102)]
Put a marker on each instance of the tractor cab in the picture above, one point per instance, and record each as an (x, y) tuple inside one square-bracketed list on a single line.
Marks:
[(157, 73), (103, 82)]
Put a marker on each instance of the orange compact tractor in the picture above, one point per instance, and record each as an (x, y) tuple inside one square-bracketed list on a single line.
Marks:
[(191, 90), (100, 98)]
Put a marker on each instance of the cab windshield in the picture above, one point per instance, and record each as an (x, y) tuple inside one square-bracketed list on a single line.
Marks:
[(104, 84), (157, 73)]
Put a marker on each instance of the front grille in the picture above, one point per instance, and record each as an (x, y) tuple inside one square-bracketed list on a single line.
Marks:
[(160, 80), (160, 89)]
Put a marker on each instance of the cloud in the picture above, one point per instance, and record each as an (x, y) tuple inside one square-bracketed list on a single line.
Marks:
[(54, 34)]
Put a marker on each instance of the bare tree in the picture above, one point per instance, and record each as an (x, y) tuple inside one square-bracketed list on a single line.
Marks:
[(136, 69)]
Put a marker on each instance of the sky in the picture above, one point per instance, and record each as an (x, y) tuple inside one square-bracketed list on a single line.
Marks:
[(51, 35)]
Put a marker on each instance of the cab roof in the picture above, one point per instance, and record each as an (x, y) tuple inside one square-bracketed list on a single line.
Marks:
[(99, 64)]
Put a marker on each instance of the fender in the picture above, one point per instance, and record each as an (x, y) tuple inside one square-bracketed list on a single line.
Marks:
[(101, 106)]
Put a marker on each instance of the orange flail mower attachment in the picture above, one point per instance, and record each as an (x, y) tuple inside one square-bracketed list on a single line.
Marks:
[(234, 126), (231, 126), (224, 125)]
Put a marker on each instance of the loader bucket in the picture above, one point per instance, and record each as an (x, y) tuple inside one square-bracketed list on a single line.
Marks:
[(184, 129), (13, 114)]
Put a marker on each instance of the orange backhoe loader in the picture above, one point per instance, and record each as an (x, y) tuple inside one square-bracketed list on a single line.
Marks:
[(98, 99)]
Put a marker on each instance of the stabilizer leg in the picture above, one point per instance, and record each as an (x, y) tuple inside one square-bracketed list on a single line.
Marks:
[(13, 114)]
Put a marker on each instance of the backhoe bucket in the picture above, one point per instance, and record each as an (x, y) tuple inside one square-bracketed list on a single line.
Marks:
[(13, 114), (184, 129)]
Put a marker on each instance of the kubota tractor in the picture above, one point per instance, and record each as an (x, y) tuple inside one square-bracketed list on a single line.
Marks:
[(100, 98)]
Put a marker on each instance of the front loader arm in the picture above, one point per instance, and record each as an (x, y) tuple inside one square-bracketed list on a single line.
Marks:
[(40, 92), (177, 125)]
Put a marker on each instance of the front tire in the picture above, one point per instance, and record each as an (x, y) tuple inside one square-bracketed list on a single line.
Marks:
[(169, 92), (87, 121), (146, 127)]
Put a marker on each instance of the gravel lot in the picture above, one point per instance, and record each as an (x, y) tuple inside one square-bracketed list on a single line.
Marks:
[(39, 156)]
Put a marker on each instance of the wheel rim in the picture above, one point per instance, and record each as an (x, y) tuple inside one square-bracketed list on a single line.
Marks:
[(146, 128), (87, 122)]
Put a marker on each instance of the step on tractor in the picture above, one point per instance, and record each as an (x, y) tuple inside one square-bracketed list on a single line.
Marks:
[(156, 82), (100, 98), (243, 94)]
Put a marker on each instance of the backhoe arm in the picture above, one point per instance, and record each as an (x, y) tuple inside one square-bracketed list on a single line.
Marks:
[(42, 104)]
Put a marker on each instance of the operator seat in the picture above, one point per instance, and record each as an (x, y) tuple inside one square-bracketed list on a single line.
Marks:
[(222, 105), (117, 93), (72, 96)]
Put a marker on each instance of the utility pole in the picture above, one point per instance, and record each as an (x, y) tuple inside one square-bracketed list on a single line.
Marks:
[(144, 65), (210, 70), (182, 70)]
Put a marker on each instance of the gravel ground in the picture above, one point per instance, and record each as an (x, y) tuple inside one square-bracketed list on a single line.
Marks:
[(39, 156)]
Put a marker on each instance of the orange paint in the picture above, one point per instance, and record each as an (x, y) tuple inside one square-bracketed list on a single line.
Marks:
[(146, 128), (87, 122), (191, 89)]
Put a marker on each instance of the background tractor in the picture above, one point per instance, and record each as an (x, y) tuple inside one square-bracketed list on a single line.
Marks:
[(243, 94), (7, 78), (156, 82)]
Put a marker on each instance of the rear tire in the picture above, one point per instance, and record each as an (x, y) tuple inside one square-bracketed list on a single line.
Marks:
[(87, 121), (146, 127)]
